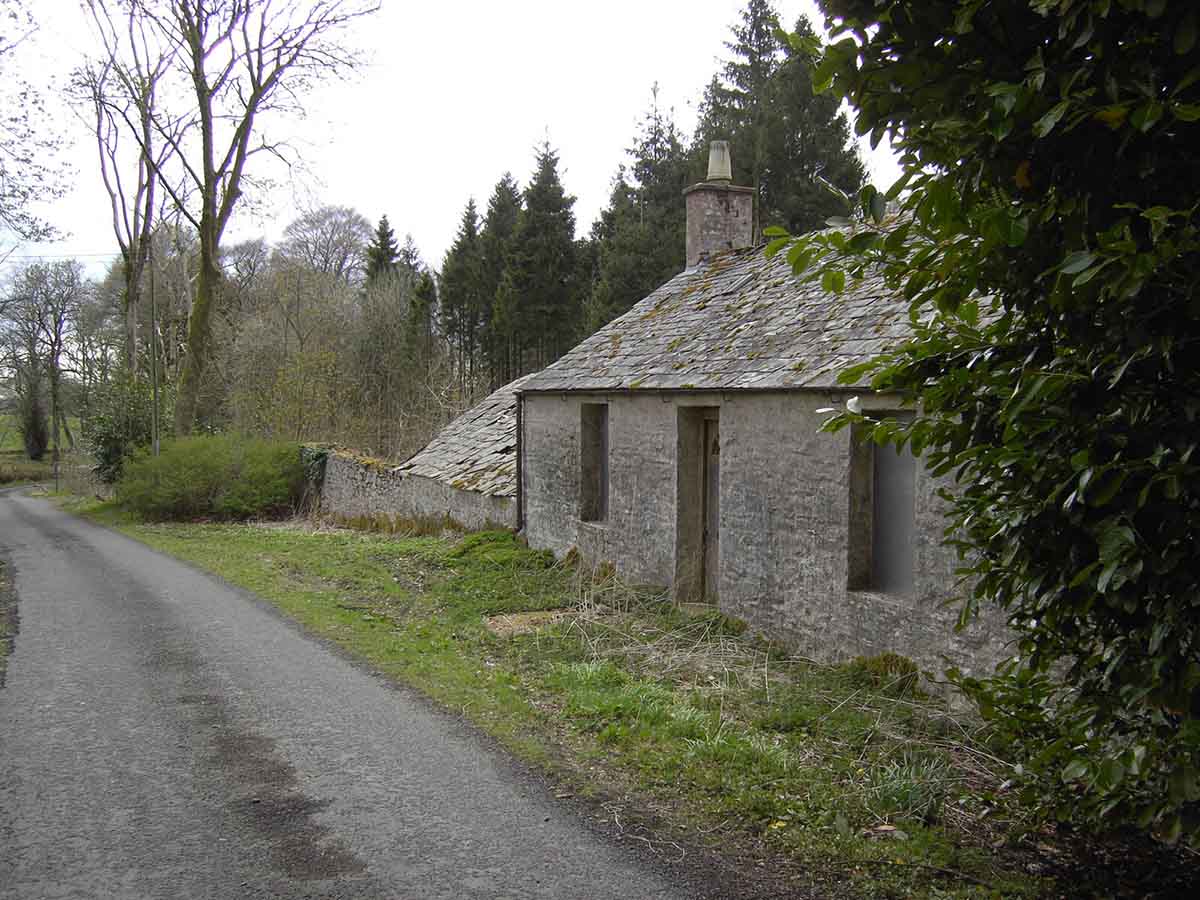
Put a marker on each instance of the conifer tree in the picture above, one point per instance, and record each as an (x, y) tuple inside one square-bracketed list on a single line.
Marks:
[(382, 253), (788, 144), (809, 165), (418, 335), (408, 258), (735, 104), (499, 230), (640, 236), (538, 308), (465, 306)]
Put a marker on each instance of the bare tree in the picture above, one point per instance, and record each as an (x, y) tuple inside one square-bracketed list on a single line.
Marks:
[(38, 314), (121, 92), (27, 146), (329, 239), (239, 59)]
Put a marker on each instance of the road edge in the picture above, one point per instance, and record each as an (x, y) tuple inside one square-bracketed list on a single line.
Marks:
[(10, 621)]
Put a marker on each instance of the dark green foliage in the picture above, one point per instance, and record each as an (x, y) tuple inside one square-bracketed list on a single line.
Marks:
[(496, 239), (792, 145), (219, 476), (382, 253), (466, 306), (1051, 252), (418, 337), (408, 258), (538, 309), (117, 423), (809, 164), (35, 430), (639, 239)]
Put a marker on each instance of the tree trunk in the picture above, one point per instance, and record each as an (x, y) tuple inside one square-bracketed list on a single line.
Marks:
[(189, 409), (133, 277)]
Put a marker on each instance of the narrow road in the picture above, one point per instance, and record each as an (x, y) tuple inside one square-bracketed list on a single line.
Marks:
[(165, 735)]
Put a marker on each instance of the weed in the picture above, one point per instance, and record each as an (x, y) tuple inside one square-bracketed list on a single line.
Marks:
[(890, 672), (915, 785)]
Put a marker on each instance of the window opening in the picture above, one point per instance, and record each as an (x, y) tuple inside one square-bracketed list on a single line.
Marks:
[(882, 514), (593, 462)]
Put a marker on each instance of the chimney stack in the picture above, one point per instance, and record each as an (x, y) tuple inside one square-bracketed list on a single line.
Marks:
[(720, 215)]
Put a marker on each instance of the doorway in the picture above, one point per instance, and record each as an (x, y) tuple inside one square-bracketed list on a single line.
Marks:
[(698, 505)]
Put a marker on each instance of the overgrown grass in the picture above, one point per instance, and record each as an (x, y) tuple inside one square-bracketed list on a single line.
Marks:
[(848, 775), (16, 468)]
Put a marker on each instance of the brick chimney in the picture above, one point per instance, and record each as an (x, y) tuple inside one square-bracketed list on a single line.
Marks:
[(720, 215)]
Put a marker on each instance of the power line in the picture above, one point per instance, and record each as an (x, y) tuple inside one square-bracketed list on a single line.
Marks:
[(111, 253)]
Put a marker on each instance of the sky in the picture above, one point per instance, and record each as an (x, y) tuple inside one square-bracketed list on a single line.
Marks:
[(452, 95)]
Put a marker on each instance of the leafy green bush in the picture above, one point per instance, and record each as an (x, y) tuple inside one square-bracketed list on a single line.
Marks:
[(117, 423), (219, 476), (1048, 240)]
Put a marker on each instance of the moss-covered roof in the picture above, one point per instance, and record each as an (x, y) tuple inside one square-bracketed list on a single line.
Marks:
[(478, 450), (736, 321)]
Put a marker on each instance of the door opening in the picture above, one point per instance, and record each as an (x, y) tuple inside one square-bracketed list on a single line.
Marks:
[(697, 505)]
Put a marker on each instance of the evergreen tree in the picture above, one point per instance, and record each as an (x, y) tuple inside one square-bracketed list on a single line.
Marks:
[(735, 104), (808, 160), (408, 258), (382, 253), (788, 144), (499, 230), (418, 338), (640, 236), (538, 308), (465, 306)]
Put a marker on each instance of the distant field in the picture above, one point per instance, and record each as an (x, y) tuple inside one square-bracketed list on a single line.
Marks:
[(10, 436)]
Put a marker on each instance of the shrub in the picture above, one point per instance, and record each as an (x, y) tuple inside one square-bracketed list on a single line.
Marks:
[(117, 423), (1048, 239), (219, 476)]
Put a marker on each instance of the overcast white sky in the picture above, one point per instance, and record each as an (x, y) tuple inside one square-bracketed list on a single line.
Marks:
[(454, 95)]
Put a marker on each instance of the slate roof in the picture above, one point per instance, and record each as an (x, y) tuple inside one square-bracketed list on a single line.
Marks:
[(477, 451), (736, 321)]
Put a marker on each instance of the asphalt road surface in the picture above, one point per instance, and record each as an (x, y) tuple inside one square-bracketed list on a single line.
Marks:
[(165, 735)]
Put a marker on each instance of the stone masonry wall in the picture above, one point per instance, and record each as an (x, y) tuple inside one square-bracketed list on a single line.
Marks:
[(354, 488), (785, 523), (719, 217)]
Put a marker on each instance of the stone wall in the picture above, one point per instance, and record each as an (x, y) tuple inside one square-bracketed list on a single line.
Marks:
[(785, 527), (354, 488), (719, 217)]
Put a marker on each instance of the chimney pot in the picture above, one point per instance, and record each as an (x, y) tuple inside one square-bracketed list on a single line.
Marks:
[(720, 167)]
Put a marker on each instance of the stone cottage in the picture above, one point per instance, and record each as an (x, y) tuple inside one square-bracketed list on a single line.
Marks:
[(466, 474), (680, 443)]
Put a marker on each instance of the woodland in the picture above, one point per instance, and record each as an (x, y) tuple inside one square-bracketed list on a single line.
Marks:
[(342, 331)]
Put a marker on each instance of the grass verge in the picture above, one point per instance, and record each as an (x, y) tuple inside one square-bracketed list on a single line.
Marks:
[(846, 777)]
